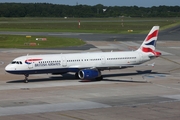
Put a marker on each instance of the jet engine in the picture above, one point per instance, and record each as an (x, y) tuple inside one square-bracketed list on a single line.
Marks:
[(89, 74)]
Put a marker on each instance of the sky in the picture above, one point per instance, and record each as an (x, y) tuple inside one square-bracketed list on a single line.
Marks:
[(140, 3)]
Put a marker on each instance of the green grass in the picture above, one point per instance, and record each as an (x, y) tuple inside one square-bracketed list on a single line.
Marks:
[(88, 25), (18, 41)]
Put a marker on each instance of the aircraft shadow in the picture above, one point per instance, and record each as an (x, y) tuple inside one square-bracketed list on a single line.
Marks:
[(130, 74), (52, 78), (130, 81), (138, 72), (72, 77)]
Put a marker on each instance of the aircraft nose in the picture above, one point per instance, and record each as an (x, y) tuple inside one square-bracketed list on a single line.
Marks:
[(8, 68)]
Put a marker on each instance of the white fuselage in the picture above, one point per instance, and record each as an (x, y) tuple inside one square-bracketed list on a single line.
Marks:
[(59, 63)]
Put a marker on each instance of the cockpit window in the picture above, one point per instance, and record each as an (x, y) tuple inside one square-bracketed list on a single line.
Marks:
[(16, 62), (13, 62)]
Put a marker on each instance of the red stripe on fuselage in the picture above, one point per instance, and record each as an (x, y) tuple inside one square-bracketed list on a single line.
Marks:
[(33, 59)]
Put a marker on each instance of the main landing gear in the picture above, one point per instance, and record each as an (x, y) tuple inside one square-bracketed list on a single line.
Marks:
[(76, 75), (99, 78), (26, 78)]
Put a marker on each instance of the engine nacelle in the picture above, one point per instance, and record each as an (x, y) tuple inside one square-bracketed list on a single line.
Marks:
[(89, 74)]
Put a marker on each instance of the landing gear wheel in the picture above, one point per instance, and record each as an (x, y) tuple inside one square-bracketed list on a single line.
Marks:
[(76, 75), (99, 78), (26, 78)]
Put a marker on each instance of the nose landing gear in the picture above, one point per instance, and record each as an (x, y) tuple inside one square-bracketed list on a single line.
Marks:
[(26, 78)]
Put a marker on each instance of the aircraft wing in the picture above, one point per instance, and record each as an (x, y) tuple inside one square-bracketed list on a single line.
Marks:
[(107, 67)]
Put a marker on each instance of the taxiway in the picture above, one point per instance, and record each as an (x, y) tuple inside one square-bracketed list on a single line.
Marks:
[(130, 94)]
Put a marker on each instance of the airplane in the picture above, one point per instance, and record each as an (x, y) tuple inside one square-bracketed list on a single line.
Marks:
[(86, 66)]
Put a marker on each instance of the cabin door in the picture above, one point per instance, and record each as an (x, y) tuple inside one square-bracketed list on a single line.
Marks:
[(141, 57), (103, 60), (64, 61), (30, 63)]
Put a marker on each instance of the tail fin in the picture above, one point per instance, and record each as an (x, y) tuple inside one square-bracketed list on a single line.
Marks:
[(149, 44)]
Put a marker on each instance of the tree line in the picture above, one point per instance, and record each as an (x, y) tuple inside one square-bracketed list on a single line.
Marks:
[(58, 10)]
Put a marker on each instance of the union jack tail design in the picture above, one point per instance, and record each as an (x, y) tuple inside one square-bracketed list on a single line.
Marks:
[(149, 44)]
